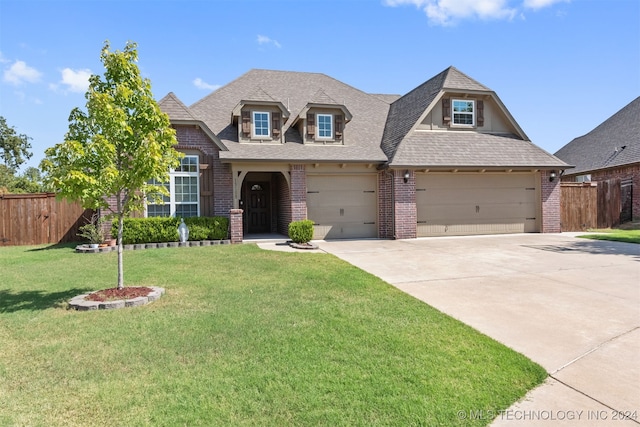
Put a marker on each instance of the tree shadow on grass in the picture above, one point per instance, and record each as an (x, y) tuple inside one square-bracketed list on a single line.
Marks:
[(55, 246), (11, 302)]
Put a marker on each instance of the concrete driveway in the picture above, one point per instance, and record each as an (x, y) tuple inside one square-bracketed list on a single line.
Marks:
[(572, 305)]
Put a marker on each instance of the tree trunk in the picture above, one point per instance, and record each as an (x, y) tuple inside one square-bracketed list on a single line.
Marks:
[(120, 266)]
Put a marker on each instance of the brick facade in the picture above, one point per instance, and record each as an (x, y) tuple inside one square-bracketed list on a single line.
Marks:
[(405, 212), (235, 225), (298, 192), (385, 199), (192, 137), (397, 212), (550, 192)]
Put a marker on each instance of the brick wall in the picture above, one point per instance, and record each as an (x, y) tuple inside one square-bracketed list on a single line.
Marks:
[(298, 193), (385, 198), (235, 225), (284, 204), (191, 137), (405, 211), (627, 172), (550, 192)]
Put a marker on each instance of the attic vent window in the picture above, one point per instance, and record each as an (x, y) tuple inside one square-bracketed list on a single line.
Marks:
[(463, 112)]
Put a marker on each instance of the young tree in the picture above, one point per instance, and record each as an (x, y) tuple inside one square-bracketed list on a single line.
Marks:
[(115, 148), (14, 147)]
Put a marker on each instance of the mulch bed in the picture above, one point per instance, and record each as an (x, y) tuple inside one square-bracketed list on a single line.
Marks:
[(111, 294)]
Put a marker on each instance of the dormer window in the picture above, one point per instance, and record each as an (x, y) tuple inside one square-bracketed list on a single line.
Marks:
[(463, 112), (261, 124), (325, 126)]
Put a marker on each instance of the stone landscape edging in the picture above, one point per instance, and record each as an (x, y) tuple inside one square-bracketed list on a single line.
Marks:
[(139, 246), (79, 302)]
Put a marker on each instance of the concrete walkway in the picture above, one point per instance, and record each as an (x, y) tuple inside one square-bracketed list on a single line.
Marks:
[(572, 305)]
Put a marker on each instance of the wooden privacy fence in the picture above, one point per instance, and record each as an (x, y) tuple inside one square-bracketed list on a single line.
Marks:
[(590, 205), (34, 219)]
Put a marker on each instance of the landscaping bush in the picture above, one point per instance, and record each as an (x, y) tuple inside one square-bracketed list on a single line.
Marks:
[(301, 231), (163, 229)]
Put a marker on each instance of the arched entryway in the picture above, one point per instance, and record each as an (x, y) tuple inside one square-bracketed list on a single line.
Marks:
[(265, 200)]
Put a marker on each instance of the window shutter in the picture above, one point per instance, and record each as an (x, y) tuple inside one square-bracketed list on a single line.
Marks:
[(339, 119), (446, 111), (311, 124), (246, 123), (480, 113), (275, 125)]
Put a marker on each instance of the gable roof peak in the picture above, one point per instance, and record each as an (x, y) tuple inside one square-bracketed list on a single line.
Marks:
[(457, 80), (321, 97), (174, 108), (260, 94)]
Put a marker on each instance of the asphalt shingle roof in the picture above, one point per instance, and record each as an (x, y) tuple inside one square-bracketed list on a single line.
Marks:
[(453, 148), (379, 132), (173, 107), (471, 149), (603, 147), (295, 90)]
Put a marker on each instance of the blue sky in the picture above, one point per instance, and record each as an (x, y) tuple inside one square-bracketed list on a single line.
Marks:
[(561, 67)]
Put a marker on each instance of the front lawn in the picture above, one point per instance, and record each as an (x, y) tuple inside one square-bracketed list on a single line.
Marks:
[(616, 235), (242, 337)]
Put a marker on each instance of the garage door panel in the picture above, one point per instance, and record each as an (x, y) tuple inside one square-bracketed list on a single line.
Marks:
[(344, 231), (341, 198), (465, 204), (342, 206)]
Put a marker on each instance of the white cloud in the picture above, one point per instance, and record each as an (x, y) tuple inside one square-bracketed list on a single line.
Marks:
[(20, 72), (201, 84), (267, 40), (448, 12), (3, 60), (539, 4), (75, 80)]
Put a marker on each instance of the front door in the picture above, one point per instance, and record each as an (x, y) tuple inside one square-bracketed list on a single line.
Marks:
[(258, 207)]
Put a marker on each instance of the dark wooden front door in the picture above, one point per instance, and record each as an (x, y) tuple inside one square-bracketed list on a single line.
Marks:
[(258, 207)]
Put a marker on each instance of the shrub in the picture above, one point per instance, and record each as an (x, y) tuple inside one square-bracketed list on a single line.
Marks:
[(163, 229), (301, 231)]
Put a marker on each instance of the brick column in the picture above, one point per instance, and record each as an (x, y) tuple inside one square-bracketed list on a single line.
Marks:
[(235, 224), (550, 203), (404, 206), (298, 192)]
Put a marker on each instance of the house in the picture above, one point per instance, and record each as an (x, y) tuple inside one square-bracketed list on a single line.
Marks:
[(611, 150), (273, 147)]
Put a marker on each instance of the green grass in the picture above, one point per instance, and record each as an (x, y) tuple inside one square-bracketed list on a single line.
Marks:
[(242, 337), (616, 235)]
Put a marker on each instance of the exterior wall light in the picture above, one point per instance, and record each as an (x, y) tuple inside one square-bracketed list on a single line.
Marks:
[(406, 176), (552, 176)]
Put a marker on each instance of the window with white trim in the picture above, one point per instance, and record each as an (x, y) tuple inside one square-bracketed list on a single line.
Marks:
[(325, 125), (261, 124), (463, 112), (184, 190)]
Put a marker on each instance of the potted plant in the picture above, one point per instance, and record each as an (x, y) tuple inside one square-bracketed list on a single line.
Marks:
[(92, 231)]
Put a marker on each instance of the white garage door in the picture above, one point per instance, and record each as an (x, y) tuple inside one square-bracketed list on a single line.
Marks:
[(342, 206), (466, 204)]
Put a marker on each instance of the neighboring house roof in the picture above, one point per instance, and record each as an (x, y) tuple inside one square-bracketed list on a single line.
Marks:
[(295, 90), (407, 147), (615, 142)]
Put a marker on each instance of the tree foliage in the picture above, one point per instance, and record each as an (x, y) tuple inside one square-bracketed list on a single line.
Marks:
[(14, 147), (117, 146)]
